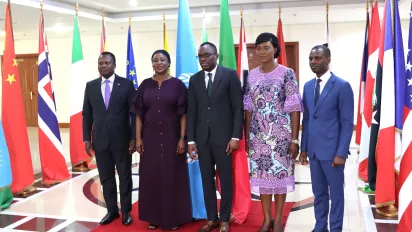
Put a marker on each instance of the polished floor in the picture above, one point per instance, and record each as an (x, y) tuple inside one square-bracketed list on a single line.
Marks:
[(78, 205)]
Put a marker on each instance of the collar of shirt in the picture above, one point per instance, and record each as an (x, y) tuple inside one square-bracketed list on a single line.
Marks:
[(213, 72), (111, 79), (325, 77)]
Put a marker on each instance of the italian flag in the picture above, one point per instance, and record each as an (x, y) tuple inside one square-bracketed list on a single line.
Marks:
[(77, 153)]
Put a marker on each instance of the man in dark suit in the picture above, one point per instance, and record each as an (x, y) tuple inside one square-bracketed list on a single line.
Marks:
[(214, 125), (108, 122), (327, 129)]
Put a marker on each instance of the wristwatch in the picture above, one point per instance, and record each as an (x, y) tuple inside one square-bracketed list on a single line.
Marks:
[(295, 141)]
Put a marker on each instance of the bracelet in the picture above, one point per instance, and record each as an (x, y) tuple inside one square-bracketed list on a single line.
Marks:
[(182, 137), (295, 141)]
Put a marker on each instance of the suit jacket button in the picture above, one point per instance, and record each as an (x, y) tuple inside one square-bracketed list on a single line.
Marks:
[(208, 108)]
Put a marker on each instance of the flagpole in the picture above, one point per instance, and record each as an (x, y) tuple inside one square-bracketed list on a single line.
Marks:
[(76, 7), (280, 11)]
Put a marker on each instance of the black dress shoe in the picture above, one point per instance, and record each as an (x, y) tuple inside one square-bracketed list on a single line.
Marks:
[(109, 218), (126, 218)]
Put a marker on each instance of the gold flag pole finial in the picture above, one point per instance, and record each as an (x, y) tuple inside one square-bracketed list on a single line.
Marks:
[(102, 12), (367, 6), (327, 7), (130, 21), (241, 12), (76, 7), (280, 11), (371, 1), (204, 13), (41, 5), (164, 17)]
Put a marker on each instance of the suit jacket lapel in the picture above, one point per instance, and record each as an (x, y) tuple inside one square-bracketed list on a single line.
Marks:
[(311, 94), (99, 91), (325, 91), (216, 81), (115, 90), (202, 83)]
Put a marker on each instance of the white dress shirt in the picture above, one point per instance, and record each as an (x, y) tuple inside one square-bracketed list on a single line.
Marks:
[(325, 78), (103, 85), (213, 72)]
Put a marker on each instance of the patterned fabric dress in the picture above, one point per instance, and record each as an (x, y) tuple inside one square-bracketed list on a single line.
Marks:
[(270, 97)]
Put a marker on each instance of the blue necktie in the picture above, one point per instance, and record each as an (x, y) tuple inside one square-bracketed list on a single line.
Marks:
[(107, 93), (317, 90)]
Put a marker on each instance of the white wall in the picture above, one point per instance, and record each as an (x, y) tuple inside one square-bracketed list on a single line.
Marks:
[(346, 43)]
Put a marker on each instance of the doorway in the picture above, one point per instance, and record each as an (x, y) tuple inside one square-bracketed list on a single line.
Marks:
[(28, 71), (292, 56)]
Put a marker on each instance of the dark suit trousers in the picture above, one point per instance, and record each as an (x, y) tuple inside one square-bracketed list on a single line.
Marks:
[(106, 162), (209, 156), (327, 179)]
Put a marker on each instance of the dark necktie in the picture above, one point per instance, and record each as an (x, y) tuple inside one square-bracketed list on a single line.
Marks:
[(317, 90), (209, 84)]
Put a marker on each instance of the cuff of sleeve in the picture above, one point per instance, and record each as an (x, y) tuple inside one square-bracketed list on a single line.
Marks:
[(235, 139), (191, 142)]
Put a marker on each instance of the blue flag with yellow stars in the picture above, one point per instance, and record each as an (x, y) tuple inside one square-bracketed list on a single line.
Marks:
[(130, 65)]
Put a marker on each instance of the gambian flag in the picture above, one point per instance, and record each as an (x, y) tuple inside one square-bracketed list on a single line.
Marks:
[(77, 153)]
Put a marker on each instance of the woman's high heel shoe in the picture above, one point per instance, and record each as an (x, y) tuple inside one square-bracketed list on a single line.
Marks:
[(270, 226)]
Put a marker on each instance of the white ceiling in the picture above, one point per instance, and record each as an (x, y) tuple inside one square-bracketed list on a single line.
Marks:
[(147, 16)]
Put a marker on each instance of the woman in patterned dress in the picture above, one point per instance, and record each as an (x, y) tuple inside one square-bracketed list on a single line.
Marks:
[(272, 104)]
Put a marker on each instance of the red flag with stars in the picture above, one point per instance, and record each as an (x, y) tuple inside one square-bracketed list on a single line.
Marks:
[(14, 121)]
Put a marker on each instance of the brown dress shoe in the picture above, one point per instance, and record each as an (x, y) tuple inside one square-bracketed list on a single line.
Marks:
[(224, 227), (209, 226)]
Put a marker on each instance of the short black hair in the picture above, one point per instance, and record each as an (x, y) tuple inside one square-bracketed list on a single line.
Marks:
[(269, 37), (109, 54), (325, 49), (164, 52), (210, 44)]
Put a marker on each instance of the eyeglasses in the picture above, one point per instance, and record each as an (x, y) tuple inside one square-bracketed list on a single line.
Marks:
[(206, 55)]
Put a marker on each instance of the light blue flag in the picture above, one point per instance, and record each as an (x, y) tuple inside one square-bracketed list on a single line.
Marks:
[(5, 169), (130, 65), (186, 66)]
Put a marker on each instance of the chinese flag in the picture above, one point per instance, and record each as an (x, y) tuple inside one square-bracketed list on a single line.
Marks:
[(14, 121)]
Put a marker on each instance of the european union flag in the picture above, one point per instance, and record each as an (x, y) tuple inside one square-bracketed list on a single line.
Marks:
[(186, 66), (130, 65)]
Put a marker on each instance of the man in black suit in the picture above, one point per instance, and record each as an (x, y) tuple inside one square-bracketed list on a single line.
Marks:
[(214, 125), (109, 123)]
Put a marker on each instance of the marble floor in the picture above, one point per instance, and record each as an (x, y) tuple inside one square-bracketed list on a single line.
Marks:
[(77, 204)]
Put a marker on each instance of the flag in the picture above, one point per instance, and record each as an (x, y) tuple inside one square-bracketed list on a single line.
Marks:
[(165, 39), (367, 164), (399, 91), (186, 66), (241, 202), (362, 83), (327, 26), (405, 172), (78, 85), (227, 56), (383, 127), (6, 196), (53, 164), (204, 30), (14, 121), (282, 56), (130, 64), (103, 36)]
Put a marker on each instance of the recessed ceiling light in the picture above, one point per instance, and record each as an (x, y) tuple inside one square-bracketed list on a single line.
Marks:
[(133, 3)]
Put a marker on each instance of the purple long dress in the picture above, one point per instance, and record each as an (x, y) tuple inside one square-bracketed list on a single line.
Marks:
[(164, 196), (270, 97)]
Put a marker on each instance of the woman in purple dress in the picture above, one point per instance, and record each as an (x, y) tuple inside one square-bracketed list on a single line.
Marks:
[(272, 103), (160, 106)]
